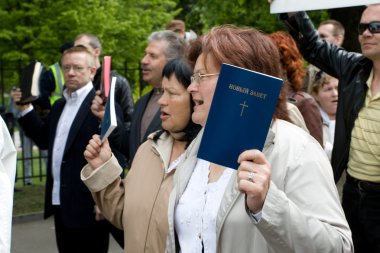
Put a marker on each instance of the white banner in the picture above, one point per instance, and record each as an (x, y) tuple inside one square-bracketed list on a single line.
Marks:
[(284, 6)]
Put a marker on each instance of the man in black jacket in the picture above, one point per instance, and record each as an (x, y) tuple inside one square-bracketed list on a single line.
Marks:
[(65, 133), (357, 136), (163, 46), (123, 91)]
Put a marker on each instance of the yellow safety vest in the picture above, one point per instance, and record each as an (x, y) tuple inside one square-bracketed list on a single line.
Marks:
[(59, 82)]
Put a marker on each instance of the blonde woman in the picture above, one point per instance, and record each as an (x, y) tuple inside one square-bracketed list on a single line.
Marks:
[(325, 91)]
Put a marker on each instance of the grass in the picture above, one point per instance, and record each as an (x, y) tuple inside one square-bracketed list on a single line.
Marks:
[(29, 198)]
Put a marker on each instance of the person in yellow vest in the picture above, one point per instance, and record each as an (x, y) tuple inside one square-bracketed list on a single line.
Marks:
[(59, 80), (51, 83)]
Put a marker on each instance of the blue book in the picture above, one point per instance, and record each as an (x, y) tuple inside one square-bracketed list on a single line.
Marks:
[(240, 114), (109, 120)]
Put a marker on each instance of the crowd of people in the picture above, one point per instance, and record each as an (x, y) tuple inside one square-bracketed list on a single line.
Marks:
[(283, 198)]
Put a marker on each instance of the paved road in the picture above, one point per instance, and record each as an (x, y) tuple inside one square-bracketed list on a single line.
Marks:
[(32, 234)]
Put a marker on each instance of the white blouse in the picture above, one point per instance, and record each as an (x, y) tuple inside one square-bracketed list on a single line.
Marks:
[(196, 212)]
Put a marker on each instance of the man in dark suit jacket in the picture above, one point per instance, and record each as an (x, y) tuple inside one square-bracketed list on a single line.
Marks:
[(163, 46), (65, 133), (123, 91)]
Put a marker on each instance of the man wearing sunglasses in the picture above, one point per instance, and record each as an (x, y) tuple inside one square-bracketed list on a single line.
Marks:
[(357, 135)]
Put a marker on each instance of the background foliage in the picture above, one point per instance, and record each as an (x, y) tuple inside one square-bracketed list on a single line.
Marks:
[(35, 29), (201, 15)]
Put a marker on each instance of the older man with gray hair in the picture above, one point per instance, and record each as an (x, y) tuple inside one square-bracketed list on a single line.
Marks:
[(162, 47)]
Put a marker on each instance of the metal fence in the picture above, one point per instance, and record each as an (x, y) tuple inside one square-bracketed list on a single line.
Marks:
[(31, 161)]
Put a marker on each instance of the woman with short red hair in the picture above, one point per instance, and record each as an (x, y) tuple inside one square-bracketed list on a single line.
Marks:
[(281, 199), (293, 75)]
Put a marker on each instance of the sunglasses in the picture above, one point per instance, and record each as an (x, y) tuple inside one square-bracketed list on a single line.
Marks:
[(373, 27), (319, 75)]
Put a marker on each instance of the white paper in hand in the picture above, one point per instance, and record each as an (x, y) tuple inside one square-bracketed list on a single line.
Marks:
[(285, 6)]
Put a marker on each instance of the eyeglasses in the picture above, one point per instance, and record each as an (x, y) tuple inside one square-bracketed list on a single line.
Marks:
[(373, 27), (198, 77), (76, 68)]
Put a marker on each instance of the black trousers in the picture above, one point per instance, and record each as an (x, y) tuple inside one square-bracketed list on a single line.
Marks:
[(361, 204), (80, 240)]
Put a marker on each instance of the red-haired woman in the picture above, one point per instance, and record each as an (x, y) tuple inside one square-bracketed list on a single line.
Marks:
[(293, 75)]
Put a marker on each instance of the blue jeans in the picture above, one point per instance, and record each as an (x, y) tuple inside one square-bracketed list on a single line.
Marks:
[(362, 209)]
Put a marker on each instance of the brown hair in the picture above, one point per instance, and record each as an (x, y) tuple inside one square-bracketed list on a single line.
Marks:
[(94, 40), (291, 59), (176, 25), (243, 47)]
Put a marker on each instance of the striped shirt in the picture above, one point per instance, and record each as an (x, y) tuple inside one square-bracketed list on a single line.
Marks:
[(364, 158)]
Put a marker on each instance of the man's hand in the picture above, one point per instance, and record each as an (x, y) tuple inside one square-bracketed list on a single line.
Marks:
[(98, 106), (16, 95)]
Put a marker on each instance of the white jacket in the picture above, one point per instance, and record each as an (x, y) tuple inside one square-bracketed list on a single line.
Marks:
[(8, 159)]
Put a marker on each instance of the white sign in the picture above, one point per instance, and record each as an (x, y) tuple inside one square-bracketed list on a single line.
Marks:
[(285, 6)]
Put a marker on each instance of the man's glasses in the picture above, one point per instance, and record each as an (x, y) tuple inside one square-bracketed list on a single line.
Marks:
[(373, 27), (76, 68), (198, 77)]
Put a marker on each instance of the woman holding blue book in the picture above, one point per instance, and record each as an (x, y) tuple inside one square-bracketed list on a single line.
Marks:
[(281, 199)]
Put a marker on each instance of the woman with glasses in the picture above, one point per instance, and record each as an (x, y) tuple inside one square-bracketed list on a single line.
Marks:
[(138, 204), (282, 199)]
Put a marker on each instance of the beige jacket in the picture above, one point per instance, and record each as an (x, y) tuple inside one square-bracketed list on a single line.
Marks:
[(301, 213), (138, 204)]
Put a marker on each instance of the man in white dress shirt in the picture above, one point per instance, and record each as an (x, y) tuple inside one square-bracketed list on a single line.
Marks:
[(65, 133)]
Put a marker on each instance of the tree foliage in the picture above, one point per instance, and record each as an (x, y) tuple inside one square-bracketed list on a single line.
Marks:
[(202, 15), (35, 29)]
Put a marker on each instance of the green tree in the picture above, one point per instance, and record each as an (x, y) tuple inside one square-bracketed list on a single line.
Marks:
[(35, 29), (201, 15)]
